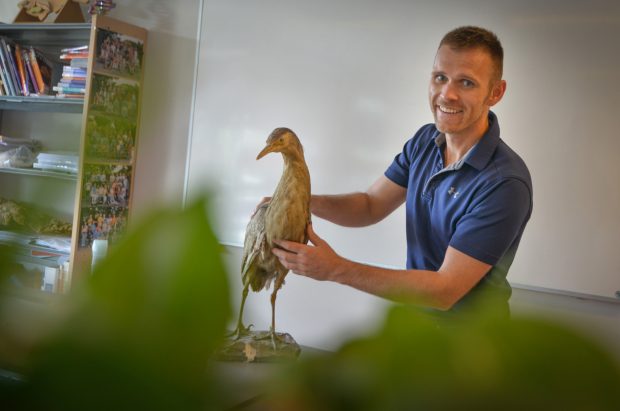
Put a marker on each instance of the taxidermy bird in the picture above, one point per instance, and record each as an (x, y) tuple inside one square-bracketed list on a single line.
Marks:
[(285, 217)]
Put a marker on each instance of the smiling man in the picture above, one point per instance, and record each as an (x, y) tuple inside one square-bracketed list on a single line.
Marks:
[(468, 195)]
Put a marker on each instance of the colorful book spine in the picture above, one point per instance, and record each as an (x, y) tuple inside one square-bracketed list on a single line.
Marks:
[(13, 68), (30, 72), (79, 62), (21, 70), (7, 68), (69, 90), (36, 70), (6, 83)]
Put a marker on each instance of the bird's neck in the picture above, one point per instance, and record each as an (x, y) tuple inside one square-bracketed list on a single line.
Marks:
[(295, 168)]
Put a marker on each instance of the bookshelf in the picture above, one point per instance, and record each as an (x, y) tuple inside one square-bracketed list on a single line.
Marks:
[(97, 129)]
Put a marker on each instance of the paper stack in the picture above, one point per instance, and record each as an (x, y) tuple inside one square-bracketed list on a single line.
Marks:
[(57, 161)]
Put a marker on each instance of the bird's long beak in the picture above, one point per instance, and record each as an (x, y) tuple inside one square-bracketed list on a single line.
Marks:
[(268, 149)]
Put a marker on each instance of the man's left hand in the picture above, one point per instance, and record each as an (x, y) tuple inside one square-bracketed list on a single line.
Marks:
[(318, 261)]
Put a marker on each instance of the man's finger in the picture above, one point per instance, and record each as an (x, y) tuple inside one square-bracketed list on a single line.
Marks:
[(288, 245)]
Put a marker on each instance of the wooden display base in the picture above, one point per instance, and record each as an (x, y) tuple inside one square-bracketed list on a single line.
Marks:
[(258, 347), (63, 11)]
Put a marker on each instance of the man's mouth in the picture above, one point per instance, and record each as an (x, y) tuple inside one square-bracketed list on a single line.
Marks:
[(448, 110)]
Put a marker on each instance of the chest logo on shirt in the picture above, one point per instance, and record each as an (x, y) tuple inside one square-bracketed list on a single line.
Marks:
[(453, 192)]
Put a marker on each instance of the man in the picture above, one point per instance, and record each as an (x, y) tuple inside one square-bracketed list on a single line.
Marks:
[(468, 195)]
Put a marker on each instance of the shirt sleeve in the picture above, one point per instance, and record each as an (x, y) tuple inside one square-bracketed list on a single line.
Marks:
[(494, 224), (398, 171)]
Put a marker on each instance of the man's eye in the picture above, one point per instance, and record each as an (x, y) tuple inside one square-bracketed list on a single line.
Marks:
[(440, 78), (468, 83)]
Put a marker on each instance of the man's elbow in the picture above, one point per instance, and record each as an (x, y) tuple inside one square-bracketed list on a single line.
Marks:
[(448, 298)]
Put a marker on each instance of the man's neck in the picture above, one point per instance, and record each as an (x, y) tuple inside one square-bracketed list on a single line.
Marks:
[(458, 145)]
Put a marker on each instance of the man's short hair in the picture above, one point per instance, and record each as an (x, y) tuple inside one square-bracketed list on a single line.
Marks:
[(469, 37)]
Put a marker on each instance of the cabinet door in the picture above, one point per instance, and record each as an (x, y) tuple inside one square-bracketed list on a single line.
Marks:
[(111, 124)]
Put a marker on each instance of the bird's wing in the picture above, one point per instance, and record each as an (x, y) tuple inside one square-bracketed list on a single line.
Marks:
[(254, 240)]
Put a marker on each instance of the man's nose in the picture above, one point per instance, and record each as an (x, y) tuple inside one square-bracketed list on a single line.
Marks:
[(448, 91)]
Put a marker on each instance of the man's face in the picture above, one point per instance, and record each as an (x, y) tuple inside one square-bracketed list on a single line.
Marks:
[(462, 89)]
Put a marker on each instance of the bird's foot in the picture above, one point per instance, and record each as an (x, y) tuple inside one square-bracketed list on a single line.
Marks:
[(240, 331), (275, 338)]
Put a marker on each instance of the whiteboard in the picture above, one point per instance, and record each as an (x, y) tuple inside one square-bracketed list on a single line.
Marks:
[(351, 77)]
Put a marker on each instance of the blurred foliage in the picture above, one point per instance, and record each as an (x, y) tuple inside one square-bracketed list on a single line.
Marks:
[(482, 363), (139, 332)]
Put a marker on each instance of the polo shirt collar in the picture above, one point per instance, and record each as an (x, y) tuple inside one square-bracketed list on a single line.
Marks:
[(480, 154)]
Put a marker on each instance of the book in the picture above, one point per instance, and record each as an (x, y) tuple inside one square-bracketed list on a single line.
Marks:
[(79, 62), (70, 90), (6, 68), (70, 69), (36, 70), (31, 77), (68, 82), (74, 49), (74, 73), (21, 70), (73, 78), (12, 68), (4, 75), (70, 56)]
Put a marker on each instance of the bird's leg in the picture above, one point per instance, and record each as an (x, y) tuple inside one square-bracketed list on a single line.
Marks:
[(241, 330), (276, 287)]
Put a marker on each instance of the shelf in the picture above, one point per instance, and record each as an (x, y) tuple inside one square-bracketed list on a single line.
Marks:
[(39, 173), (101, 134), (42, 104), (50, 36)]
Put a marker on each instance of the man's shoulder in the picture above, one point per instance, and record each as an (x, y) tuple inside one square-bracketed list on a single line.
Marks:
[(427, 132), (509, 164), (423, 137)]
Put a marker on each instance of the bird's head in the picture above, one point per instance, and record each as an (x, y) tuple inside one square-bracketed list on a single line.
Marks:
[(282, 140)]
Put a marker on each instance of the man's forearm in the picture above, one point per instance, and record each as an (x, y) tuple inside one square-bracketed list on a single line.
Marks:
[(349, 210), (361, 208), (420, 287)]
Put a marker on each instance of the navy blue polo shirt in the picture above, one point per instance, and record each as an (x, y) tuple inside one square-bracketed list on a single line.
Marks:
[(479, 205)]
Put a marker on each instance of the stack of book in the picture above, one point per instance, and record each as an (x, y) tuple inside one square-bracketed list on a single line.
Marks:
[(72, 83), (24, 70), (57, 161)]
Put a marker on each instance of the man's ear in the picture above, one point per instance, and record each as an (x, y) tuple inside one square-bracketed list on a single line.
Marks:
[(497, 92)]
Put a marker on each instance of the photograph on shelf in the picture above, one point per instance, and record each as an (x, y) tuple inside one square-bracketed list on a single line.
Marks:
[(105, 201), (115, 96), (110, 137), (119, 54), (102, 223), (105, 184)]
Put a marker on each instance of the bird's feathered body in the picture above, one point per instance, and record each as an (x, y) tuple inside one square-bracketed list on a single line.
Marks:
[(285, 217)]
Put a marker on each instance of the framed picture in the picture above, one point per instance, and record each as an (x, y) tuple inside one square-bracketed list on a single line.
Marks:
[(105, 198), (115, 96), (110, 137), (102, 223), (118, 54)]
